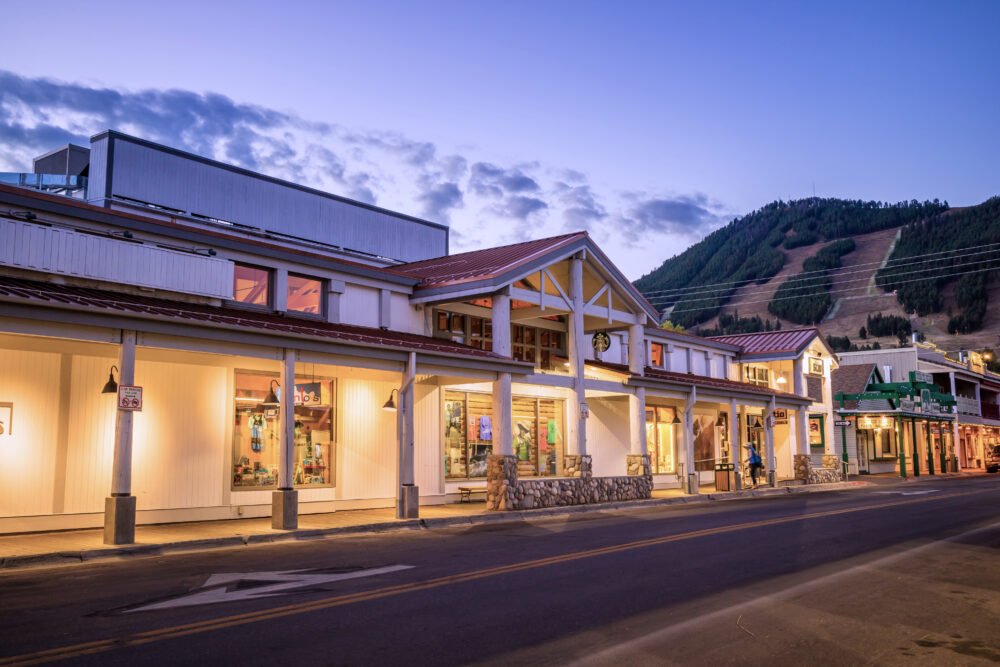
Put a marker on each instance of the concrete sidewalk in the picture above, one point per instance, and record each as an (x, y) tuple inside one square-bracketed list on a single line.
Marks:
[(80, 546)]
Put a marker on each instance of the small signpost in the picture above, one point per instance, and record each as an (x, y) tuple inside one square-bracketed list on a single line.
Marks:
[(129, 397), (842, 422)]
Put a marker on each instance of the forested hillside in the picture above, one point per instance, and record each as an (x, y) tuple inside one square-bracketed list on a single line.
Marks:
[(863, 271), (699, 281)]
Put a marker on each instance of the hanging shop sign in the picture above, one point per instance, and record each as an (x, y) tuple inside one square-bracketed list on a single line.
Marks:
[(129, 397), (921, 376), (780, 416), (815, 366), (308, 394), (601, 341), (907, 405), (873, 423)]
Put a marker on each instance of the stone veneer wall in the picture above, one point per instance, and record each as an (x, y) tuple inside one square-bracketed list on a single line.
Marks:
[(830, 472), (577, 465), (505, 492), (637, 465)]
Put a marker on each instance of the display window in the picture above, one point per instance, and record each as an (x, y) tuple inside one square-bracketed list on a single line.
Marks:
[(661, 439), (305, 295), (256, 431), (251, 285), (817, 434), (705, 441), (538, 434), (879, 443)]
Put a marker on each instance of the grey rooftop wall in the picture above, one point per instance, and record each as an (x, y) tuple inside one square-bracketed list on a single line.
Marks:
[(124, 167)]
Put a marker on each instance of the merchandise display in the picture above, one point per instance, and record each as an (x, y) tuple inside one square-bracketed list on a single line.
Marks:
[(662, 439), (256, 431), (538, 441)]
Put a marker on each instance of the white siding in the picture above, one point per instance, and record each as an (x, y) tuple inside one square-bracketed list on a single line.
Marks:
[(178, 441), (404, 316), (429, 455), (29, 380), (367, 443), (65, 252), (608, 435), (678, 360), (360, 306)]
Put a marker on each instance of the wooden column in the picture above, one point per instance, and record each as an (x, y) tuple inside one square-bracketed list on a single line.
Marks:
[(285, 500), (577, 339), (772, 457), (407, 493), (119, 507), (735, 450), (503, 415), (637, 402), (692, 483)]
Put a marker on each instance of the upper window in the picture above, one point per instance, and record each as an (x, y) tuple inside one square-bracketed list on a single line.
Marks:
[(252, 285), (757, 375), (305, 295), (656, 355)]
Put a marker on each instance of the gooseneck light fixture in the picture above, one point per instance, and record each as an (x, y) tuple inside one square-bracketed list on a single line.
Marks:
[(390, 405), (271, 400), (111, 387)]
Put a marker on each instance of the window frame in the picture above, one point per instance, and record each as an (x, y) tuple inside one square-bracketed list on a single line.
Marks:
[(323, 282), (271, 274)]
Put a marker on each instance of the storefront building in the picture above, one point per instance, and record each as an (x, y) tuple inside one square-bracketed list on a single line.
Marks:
[(797, 361), (170, 353), (975, 389), (904, 428)]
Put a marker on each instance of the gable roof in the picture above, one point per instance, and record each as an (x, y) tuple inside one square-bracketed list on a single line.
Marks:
[(476, 265), (492, 268), (852, 380), (772, 343)]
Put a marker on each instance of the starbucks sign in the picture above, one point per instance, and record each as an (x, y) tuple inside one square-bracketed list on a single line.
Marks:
[(601, 341)]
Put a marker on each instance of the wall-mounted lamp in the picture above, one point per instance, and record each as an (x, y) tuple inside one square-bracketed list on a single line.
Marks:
[(390, 405), (271, 400), (676, 419), (111, 387)]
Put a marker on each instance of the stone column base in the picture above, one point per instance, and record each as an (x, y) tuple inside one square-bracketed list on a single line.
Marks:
[(802, 464), (408, 502), (637, 465), (578, 465), (501, 482), (119, 520), (285, 509)]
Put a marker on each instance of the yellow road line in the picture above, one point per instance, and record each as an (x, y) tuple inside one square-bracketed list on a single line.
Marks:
[(161, 634)]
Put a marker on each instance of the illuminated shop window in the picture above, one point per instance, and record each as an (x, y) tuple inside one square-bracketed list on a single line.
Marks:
[(661, 439), (305, 295), (252, 285), (256, 430), (538, 435)]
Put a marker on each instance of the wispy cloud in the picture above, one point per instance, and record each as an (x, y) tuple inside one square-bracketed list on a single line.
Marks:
[(484, 201)]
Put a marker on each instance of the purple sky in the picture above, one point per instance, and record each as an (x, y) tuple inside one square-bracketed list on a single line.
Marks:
[(648, 124)]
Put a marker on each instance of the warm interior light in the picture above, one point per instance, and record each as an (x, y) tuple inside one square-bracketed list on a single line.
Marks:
[(781, 379), (390, 405), (271, 400), (249, 399), (111, 387)]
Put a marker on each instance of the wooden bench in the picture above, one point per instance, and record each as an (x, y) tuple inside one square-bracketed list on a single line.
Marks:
[(467, 492)]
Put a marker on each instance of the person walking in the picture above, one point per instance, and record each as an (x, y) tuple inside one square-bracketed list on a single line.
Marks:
[(755, 462)]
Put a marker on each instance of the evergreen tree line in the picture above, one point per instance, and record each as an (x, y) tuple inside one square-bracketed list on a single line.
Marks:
[(878, 325), (806, 299), (844, 344)]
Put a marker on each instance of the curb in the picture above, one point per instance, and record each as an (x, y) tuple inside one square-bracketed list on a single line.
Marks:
[(146, 550)]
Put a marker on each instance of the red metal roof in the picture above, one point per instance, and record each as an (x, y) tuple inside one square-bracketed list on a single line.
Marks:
[(697, 380), (482, 264), (237, 318), (771, 342)]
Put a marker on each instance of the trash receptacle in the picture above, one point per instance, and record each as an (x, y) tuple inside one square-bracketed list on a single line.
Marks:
[(724, 473)]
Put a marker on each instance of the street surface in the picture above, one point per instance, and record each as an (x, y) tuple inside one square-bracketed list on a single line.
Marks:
[(888, 574)]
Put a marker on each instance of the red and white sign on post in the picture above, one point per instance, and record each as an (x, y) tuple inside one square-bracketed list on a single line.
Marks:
[(129, 397)]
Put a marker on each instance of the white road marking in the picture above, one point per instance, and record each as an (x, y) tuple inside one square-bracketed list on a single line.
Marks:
[(216, 588), (924, 492)]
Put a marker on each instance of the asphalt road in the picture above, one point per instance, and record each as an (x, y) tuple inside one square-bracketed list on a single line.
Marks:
[(881, 575)]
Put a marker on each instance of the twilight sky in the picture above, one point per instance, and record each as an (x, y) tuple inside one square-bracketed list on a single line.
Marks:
[(649, 124)]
